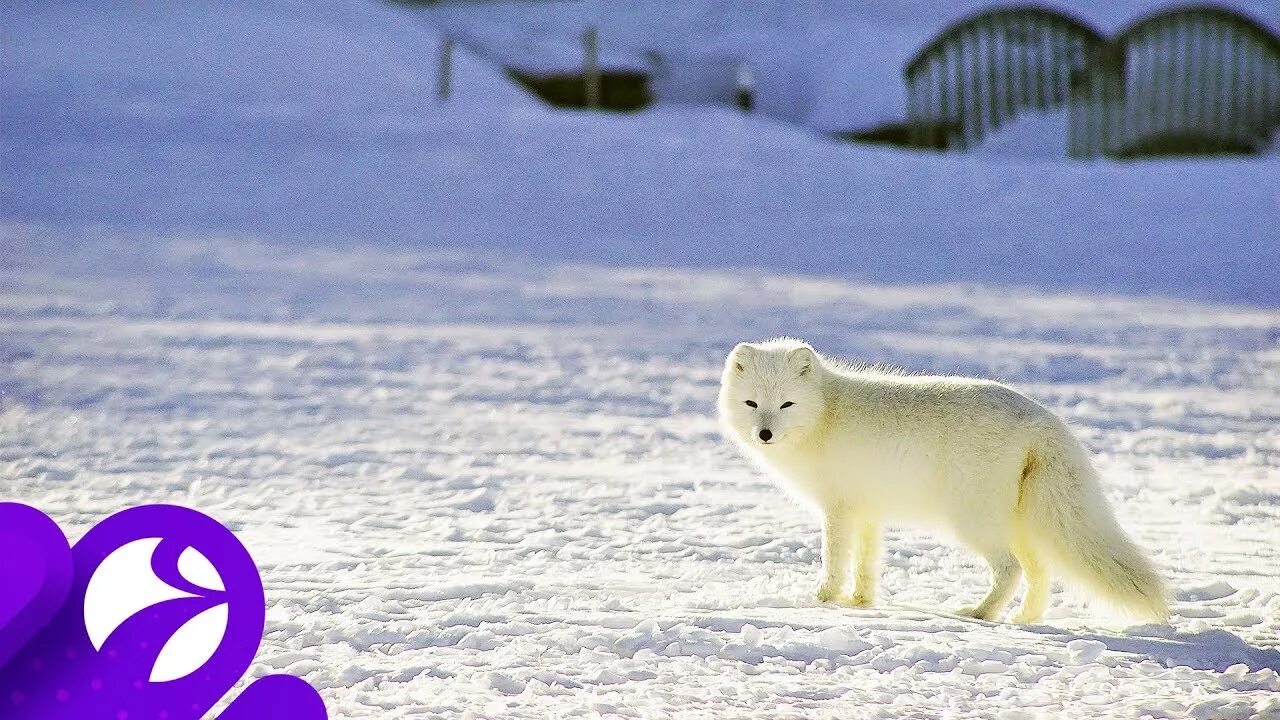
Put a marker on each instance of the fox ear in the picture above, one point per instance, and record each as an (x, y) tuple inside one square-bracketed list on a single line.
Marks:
[(802, 359), (738, 355)]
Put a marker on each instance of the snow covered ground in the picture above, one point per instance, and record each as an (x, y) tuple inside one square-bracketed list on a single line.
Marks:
[(449, 369), (316, 123), (483, 489), (830, 65)]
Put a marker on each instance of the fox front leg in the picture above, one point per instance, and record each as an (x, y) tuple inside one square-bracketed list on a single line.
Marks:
[(838, 532), (867, 575)]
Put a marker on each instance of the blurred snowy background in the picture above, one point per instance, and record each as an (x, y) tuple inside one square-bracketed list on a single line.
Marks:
[(448, 366)]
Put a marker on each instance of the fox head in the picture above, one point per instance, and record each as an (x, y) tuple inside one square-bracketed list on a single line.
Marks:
[(771, 392)]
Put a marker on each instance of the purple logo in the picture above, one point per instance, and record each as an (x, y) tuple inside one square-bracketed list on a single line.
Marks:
[(156, 613)]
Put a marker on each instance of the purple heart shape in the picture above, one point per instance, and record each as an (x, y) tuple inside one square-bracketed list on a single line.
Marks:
[(65, 674), (35, 574), (177, 565), (277, 696)]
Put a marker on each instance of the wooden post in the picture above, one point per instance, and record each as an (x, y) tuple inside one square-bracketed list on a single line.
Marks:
[(1161, 85), (942, 125), (1057, 66), (1183, 54), (1136, 115), (1231, 85), (1027, 56), (1270, 93), (591, 67), (1041, 58), (1179, 50), (971, 43), (913, 110), (1077, 120), (1252, 93), (1202, 91), (1010, 85), (1111, 112), (991, 37), (444, 76)]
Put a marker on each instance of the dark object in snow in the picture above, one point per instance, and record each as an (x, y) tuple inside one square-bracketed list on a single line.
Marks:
[(932, 136), (622, 90), (1176, 144)]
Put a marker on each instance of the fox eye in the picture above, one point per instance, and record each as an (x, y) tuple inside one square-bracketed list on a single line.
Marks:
[(786, 405), (752, 403)]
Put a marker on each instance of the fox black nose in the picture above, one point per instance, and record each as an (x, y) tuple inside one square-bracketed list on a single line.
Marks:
[(765, 435)]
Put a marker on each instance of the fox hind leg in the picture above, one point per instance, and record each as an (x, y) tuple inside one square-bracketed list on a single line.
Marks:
[(1036, 600), (1005, 573)]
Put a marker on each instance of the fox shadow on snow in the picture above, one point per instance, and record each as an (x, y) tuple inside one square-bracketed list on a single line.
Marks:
[(1209, 650)]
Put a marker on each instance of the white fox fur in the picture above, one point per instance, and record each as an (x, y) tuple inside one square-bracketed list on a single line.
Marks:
[(865, 446)]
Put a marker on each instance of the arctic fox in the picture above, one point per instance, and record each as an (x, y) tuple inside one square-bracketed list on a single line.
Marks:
[(866, 446)]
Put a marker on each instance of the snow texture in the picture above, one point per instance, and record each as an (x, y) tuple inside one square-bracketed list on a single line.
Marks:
[(482, 489), (316, 122), (449, 369)]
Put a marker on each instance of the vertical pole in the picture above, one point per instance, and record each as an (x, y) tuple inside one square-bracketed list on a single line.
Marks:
[(913, 121), (1061, 64), (1127, 60), (1007, 30), (1244, 86), (942, 128), (1231, 85), (1186, 76), (746, 87), (1258, 61), (913, 111), (928, 101), (444, 76), (1188, 84), (1141, 76), (1112, 105), (976, 81), (972, 44), (994, 101), (1204, 94), (962, 93), (1040, 57), (1274, 93), (1093, 97), (1025, 57), (1211, 54), (1222, 79), (1164, 87), (1182, 76), (1162, 91), (1090, 99), (1252, 101), (1270, 93), (591, 67), (1077, 119)]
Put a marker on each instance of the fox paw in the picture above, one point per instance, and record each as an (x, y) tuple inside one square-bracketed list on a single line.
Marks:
[(977, 613), (1025, 618), (827, 592), (860, 600), (853, 601)]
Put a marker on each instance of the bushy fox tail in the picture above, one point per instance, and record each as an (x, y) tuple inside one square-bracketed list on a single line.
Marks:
[(1066, 515)]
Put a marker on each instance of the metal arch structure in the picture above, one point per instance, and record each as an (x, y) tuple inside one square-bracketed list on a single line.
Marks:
[(983, 69), (1189, 79)]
